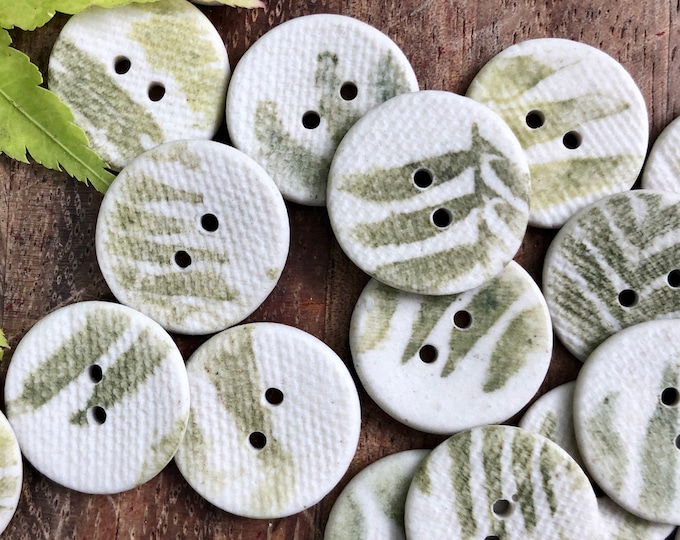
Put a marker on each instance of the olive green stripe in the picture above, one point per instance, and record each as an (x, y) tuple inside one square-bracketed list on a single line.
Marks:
[(146, 188), (163, 450), (349, 520), (138, 248), (459, 451), (548, 426), (492, 461), (607, 444), (548, 464), (8, 486), (384, 306), (389, 78), (522, 466), (8, 448), (430, 312)]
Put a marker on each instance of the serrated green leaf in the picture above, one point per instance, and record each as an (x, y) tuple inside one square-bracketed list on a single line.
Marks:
[(250, 4), (34, 119), (3, 343)]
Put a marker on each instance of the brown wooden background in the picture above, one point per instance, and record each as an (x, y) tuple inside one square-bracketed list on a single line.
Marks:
[(47, 223)]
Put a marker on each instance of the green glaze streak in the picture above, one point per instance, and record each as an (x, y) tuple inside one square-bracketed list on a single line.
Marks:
[(659, 457), (513, 349), (522, 453), (84, 347), (384, 300), (132, 246), (390, 80), (422, 478), (491, 301), (492, 458), (8, 450), (88, 87), (8, 486), (459, 452), (548, 462), (349, 520), (128, 372), (431, 311), (148, 189), (195, 447), (390, 492), (188, 44), (163, 450), (549, 426), (234, 373), (506, 79), (575, 177), (609, 449), (283, 156)]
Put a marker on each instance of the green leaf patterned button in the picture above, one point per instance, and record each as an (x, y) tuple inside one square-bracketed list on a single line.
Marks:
[(299, 88), (106, 387), (579, 116), (429, 193), (616, 523), (11, 473), (662, 168), (627, 419), (614, 264), (372, 504), (441, 364), (132, 84), (500, 482), (275, 421), (194, 234)]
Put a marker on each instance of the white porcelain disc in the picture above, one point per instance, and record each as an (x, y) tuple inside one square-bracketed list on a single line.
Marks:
[(500, 482), (106, 386), (140, 75), (579, 116), (429, 193), (627, 419), (372, 504), (613, 265), (194, 234), (11, 473), (275, 421), (441, 364), (662, 168), (616, 523), (298, 89)]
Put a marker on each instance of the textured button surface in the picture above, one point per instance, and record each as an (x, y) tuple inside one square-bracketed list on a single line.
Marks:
[(372, 504), (627, 419), (441, 364), (616, 523), (500, 482), (275, 421), (194, 234), (133, 84), (579, 116), (11, 473), (662, 168), (614, 264), (429, 193), (104, 385), (298, 89)]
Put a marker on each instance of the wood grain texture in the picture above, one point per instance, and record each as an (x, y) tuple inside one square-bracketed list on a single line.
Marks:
[(48, 260)]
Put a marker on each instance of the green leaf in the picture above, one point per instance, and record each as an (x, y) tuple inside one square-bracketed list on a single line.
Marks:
[(33, 119), (3, 343), (242, 3)]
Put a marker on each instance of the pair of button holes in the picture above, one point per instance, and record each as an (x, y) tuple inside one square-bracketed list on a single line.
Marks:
[(670, 397), (348, 92), (629, 298), (122, 65), (423, 178), (502, 509), (571, 140), (209, 223), (97, 413), (257, 439), (462, 320)]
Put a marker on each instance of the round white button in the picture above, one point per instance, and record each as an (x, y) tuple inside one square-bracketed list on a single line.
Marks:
[(662, 168), (11, 473)]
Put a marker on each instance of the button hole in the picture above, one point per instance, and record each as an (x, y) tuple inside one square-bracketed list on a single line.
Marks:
[(257, 440), (274, 396), (677, 442), (311, 120), (628, 298), (535, 119), (98, 414), (349, 91), (122, 65), (423, 178), (156, 91), (572, 140), (670, 397), (502, 508), (96, 373), (441, 218), (182, 259), (428, 354), (209, 222), (674, 278), (462, 319)]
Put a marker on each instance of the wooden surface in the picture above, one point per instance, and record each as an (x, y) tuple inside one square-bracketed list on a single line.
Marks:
[(47, 223)]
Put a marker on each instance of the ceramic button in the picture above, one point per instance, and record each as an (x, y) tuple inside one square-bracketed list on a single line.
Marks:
[(104, 385), (132, 84), (372, 504), (579, 116), (552, 416), (627, 419), (500, 482), (441, 364), (429, 192), (298, 89), (662, 168), (614, 265), (616, 523), (11, 473), (275, 421), (194, 234)]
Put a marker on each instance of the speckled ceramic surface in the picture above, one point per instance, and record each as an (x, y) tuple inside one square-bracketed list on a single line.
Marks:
[(275, 421), (627, 419), (297, 90), (11, 473), (132, 84), (104, 385), (552, 416), (579, 116), (500, 482), (371, 506), (613, 265), (429, 193), (441, 364), (662, 168), (184, 239), (617, 524)]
